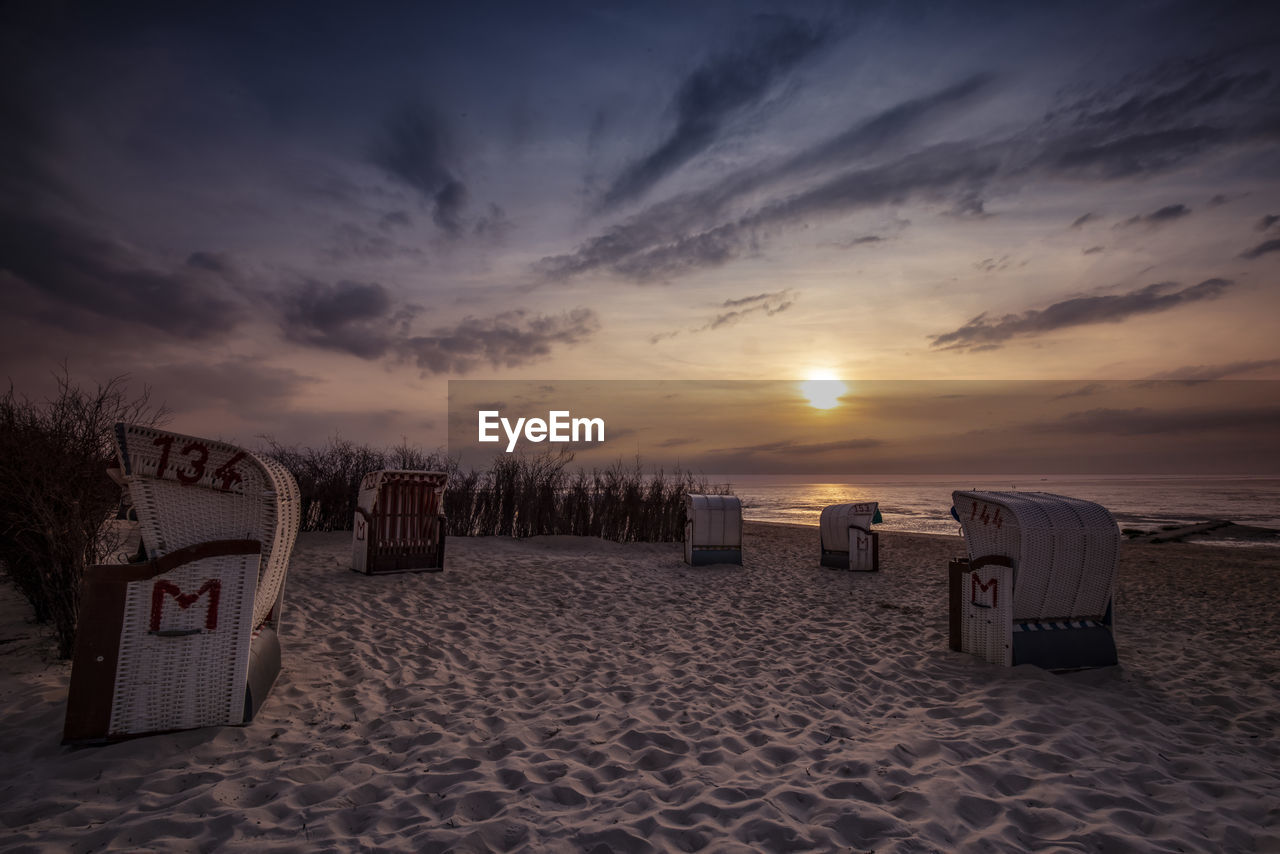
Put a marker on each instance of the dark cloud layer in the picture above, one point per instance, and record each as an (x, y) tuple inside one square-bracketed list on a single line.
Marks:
[(1164, 215), (983, 332), (351, 317), (507, 340), (715, 91), (1262, 249), (1138, 127), (361, 319), (791, 447), (1148, 422), (416, 147), (1207, 373), (83, 271), (681, 234)]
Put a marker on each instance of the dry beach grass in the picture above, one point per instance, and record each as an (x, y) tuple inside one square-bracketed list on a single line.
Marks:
[(570, 694)]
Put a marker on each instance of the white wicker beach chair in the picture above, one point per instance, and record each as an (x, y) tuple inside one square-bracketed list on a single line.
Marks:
[(712, 529), (399, 523), (189, 637), (846, 536), (1038, 584)]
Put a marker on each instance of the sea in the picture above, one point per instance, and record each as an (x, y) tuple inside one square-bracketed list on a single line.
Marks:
[(922, 503)]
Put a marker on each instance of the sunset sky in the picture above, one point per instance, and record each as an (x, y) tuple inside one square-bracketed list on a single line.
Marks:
[(303, 219)]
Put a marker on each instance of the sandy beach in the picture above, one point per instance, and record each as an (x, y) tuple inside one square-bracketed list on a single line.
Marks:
[(565, 695)]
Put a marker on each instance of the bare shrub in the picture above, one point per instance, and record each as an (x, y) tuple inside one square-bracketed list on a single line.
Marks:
[(55, 494)]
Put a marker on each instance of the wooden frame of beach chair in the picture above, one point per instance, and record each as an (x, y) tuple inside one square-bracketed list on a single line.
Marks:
[(189, 637), (1039, 581), (846, 538), (712, 529), (399, 523)]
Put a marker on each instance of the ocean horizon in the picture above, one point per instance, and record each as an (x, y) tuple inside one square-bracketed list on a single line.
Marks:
[(921, 503)]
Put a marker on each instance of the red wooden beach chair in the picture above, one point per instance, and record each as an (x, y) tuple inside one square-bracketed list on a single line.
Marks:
[(399, 523)]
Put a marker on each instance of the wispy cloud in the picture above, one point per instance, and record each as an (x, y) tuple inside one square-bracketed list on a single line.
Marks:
[(352, 317), (1266, 222), (1148, 422), (737, 310), (806, 448), (82, 271), (1142, 126), (723, 86), (984, 332), (415, 146), (694, 230), (1207, 373), (1262, 249), (1164, 215), (505, 340)]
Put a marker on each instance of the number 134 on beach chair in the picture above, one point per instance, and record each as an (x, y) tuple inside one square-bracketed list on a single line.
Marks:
[(187, 637)]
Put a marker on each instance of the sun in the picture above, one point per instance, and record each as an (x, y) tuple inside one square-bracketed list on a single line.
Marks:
[(823, 390)]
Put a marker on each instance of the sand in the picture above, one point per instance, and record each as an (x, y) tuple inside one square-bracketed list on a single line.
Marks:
[(563, 694)]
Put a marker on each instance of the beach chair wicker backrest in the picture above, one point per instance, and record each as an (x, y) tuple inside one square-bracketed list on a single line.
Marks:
[(1064, 550), (187, 490), (837, 519), (715, 521)]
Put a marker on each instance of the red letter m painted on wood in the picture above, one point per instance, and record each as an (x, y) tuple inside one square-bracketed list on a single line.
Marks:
[(185, 600), (975, 585)]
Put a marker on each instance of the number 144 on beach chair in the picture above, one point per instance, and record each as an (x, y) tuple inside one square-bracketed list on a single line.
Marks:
[(1039, 581), (188, 637)]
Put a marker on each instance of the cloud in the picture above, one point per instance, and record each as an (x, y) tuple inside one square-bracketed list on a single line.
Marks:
[(767, 304), (240, 384), (1266, 222), (1083, 391), (1164, 215), (685, 227), (1147, 422), (807, 448), (715, 91), (1261, 249), (83, 271), (351, 317), (1137, 127), (509, 340), (1093, 250), (416, 148), (981, 332), (395, 219), (1206, 373), (1084, 218), (213, 262), (49, 242)]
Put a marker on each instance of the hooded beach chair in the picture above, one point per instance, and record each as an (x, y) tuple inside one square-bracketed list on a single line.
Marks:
[(399, 524), (712, 529), (187, 637), (846, 537), (1039, 582)]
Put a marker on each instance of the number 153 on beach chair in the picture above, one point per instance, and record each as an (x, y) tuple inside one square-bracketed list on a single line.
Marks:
[(188, 637)]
